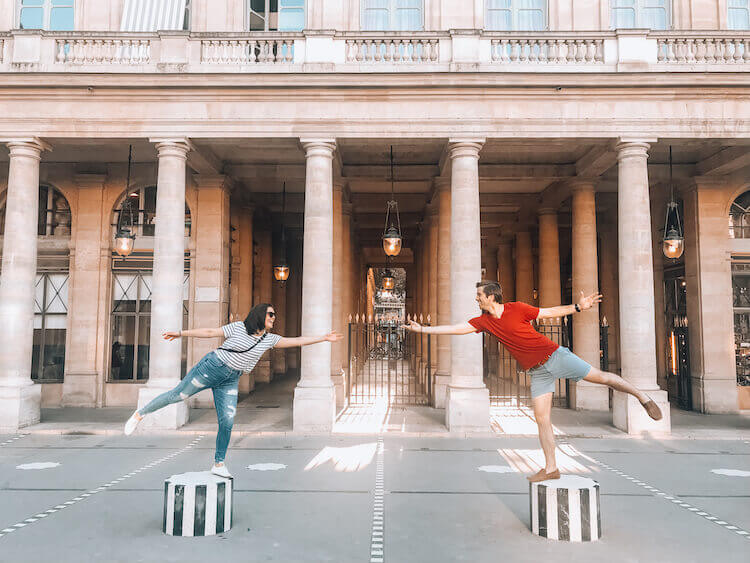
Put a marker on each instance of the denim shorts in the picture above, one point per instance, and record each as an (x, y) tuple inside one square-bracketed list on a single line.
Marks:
[(562, 364)]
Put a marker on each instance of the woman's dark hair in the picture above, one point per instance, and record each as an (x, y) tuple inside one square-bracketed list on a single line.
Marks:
[(256, 318), (491, 288)]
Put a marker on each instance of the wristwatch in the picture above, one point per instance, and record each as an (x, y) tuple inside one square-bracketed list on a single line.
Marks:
[(578, 308)]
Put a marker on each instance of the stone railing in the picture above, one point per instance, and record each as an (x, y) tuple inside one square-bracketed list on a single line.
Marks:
[(703, 48), (394, 52)]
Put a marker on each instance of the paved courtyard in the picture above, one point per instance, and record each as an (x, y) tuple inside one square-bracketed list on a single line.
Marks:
[(99, 498)]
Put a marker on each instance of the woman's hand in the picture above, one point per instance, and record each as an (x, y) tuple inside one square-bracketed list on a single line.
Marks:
[(413, 326), (333, 337), (171, 335), (586, 302)]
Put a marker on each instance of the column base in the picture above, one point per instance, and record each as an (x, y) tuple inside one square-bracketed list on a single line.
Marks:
[(589, 396), (314, 409), (262, 372), (467, 409), (170, 417), (19, 406), (715, 396), (79, 389), (629, 415), (440, 391), (339, 385)]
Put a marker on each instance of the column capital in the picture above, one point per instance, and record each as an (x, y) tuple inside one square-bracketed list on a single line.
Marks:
[(629, 147), (547, 211), (346, 208), (465, 147), (339, 184), (177, 147), (431, 210), (582, 184), (30, 147), (318, 147), (442, 184)]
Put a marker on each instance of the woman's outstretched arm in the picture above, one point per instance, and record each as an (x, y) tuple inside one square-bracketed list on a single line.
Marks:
[(307, 340), (194, 333), (461, 328)]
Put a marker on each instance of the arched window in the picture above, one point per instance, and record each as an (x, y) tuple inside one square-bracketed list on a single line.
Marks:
[(739, 217), (54, 213), (132, 282)]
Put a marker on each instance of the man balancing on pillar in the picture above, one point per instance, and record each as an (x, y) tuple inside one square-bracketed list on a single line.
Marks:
[(541, 358), (220, 370)]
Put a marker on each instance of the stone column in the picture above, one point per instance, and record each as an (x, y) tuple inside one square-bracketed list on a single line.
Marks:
[(505, 269), (443, 376), (468, 401), (549, 259), (370, 297), (524, 268), (82, 356), (709, 298), (586, 395), (168, 273), (337, 352), (211, 271), (314, 398), (20, 398), (637, 332), (347, 308), (432, 261), (262, 282)]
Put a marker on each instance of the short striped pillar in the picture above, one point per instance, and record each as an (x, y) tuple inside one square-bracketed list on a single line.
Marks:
[(566, 509), (197, 504)]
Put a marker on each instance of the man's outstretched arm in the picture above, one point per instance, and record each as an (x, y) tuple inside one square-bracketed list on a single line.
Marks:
[(586, 302), (461, 328)]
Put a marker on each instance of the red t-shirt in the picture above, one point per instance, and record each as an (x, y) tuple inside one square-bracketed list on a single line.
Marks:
[(513, 329)]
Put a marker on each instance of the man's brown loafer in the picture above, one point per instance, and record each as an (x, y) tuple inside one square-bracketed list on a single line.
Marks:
[(544, 476), (652, 409)]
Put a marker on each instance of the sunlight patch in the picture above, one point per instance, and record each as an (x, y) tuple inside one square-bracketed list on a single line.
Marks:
[(496, 469), (38, 465), (731, 472), (266, 466)]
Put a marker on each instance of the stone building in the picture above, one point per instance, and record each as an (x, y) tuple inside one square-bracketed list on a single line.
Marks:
[(531, 142)]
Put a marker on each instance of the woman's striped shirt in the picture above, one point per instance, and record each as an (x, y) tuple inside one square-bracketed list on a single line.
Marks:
[(237, 338)]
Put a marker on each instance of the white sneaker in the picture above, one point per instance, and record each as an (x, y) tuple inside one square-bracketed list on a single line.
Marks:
[(221, 471), (131, 424)]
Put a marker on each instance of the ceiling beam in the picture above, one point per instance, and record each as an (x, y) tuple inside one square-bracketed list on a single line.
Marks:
[(203, 161), (595, 162), (725, 161)]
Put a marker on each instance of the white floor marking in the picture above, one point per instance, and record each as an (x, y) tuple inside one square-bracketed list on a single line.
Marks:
[(676, 501), (38, 465), (266, 466), (496, 469), (91, 493), (377, 543), (13, 439), (731, 472)]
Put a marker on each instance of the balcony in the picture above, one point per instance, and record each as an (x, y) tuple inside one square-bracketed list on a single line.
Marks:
[(374, 52)]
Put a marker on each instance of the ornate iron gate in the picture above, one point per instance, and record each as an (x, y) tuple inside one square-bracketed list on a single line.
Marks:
[(511, 386), (388, 363)]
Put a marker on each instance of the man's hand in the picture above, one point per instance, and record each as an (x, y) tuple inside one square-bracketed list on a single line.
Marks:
[(586, 302), (171, 335), (413, 326), (333, 337)]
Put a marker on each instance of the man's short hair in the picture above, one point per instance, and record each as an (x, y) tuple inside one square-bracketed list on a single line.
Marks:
[(491, 288)]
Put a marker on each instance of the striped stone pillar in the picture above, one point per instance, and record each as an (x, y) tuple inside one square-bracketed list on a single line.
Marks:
[(197, 504), (566, 509)]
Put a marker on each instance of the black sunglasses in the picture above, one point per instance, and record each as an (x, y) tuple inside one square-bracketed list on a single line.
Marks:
[(271, 314)]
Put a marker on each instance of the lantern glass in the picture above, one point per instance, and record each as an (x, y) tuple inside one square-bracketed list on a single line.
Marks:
[(388, 283), (124, 242), (281, 273), (673, 245), (392, 242)]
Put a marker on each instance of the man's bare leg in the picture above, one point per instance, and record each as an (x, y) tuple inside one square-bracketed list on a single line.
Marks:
[(619, 384), (543, 415)]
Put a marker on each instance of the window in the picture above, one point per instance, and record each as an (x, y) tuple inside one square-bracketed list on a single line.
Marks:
[(741, 303), (516, 15), (155, 15), (131, 322), (738, 14), (392, 15), (276, 15), (739, 217), (188, 12), (141, 204), (54, 214), (52, 15), (641, 14), (50, 322)]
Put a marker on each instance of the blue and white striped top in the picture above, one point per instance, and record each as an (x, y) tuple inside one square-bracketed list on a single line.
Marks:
[(237, 338)]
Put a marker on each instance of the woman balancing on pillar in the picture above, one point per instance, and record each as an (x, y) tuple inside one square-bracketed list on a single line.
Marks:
[(220, 370), (541, 358)]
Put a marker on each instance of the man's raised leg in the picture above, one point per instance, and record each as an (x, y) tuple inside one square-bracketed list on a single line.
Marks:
[(619, 384), (543, 415)]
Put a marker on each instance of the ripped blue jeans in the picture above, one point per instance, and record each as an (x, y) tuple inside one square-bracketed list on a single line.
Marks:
[(211, 373)]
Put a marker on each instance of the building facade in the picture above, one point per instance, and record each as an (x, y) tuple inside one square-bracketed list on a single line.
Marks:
[(535, 142)]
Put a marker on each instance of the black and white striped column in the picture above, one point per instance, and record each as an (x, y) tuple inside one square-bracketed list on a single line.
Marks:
[(566, 509), (197, 504)]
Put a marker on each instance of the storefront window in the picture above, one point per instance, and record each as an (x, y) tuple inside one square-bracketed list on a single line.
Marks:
[(741, 303), (50, 323)]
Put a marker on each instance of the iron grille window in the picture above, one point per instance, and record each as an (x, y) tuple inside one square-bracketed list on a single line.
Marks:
[(392, 15), (516, 15), (131, 325), (739, 217), (741, 303), (50, 324), (52, 15)]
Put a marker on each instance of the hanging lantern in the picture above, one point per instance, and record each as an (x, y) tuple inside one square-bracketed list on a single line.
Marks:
[(125, 238), (388, 281), (392, 239), (673, 243), (281, 268)]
